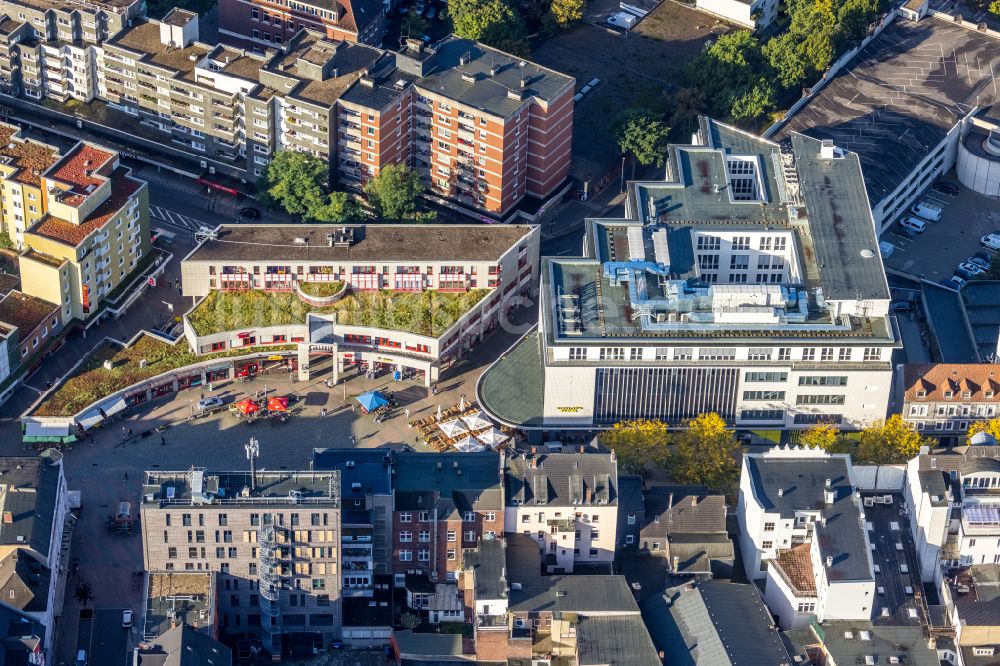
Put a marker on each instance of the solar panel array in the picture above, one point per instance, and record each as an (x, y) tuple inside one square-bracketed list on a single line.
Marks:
[(983, 515)]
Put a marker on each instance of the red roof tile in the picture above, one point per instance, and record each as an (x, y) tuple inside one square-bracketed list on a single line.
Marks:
[(78, 169), (66, 232), (934, 379)]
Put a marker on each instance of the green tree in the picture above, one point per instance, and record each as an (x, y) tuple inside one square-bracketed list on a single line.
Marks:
[(409, 620), (394, 192), (492, 22), (705, 453), (84, 593), (641, 134), (566, 11), (787, 60), (990, 427), (637, 443), (993, 272), (733, 73), (888, 442), (687, 105), (415, 25), (5, 242), (297, 182), (995, 7)]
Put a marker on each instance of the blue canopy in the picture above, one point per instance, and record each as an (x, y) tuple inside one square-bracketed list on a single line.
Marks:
[(372, 400)]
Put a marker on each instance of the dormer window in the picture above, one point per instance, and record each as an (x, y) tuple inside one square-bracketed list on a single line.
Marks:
[(949, 394), (966, 394), (921, 393), (989, 395)]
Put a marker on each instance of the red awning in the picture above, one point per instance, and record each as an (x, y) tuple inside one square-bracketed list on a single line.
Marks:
[(277, 404)]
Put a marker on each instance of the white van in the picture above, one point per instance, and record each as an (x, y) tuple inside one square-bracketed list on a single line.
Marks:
[(623, 20), (886, 249), (81, 658), (928, 211), (914, 224)]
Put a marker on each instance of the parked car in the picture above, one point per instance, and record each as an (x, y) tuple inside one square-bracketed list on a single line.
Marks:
[(902, 306), (623, 20), (127, 619), (914, 224), (886, 249), (979, 261), (991, 241), (927, 211), (959, 280), (971, 268), (954, 282), (250, 212), (900, 230), (209, 405), (944, 187)]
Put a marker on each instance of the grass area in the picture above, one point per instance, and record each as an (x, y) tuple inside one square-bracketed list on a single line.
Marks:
[(428, 313), (92, 381), (321, 289)]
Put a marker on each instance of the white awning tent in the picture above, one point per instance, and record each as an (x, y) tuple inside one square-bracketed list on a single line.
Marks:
[(493, 438), (477, 421), (46, 430), (469, 445), (453, 428), (110, 408)]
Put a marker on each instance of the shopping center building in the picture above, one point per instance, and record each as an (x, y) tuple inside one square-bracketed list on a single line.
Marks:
[(749, 283), (400, 298)]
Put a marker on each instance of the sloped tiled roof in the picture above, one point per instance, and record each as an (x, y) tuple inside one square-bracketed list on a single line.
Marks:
[(935, 378)]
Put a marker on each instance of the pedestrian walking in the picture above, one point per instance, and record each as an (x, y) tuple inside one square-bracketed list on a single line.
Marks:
[(354, 440), (125, 478), (130, 432), (354, 408), (123, 432), (434, 390), (202, 395), (322, 411), (163, 440)]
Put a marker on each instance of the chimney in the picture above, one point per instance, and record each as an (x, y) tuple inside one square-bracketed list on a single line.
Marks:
[(534, 463), (579, 449), (829, 496), (694, 500), (524, 81), (8, 518), (670, 502), (781, 492), (614, 458), (829, 560), (588, 495), (677, 563), (828, 483), (454, 464), (826, 150)]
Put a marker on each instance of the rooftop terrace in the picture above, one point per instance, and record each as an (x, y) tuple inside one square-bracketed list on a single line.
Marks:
[(196, 487), (26, 312), (28, 158), (78, 170), (182, 598)]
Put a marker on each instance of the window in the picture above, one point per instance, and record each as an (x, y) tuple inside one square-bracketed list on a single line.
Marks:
[(813, 419), (405, 536), (741, 243), (404, 517), (767, 545), (765, 377), (820, 399), (822, 381), (808, 354), (405, 555), (709, 242), (768, 527), (683, 354), (784, 353), (708, 261), (806, 607), (451, 553), (629, 539), (717, 353), (844, 354), (631, 519), (578, 353), (753, 396), (490, 516), (873, 353), (469, 517), (612, 354), (424, 555), (451, 535), (762, 415), (470, 536), (759, 354), (424, 536), (739, 262), (826, 354)]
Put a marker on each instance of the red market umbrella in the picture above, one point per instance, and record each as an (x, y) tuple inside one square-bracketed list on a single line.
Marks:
[(248, 406), (277, 404)]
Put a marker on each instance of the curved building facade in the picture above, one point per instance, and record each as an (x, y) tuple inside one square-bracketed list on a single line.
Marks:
[(978, 161)]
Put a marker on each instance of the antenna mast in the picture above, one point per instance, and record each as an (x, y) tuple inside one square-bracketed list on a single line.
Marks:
[(253, 452)]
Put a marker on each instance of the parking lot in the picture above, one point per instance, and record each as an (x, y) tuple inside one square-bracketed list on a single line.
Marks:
[(934, 254)]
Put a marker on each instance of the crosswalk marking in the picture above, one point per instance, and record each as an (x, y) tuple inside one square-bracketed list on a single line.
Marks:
[(175, 219)]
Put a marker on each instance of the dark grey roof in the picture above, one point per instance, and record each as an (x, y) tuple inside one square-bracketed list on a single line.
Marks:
[(682, 509), (373, 242), (185, 646), (575, 594), (372, 468), (630, 494), (933, 485), (30, 492), (561, 479), (487, 563), (802, 481), (899, 97), (432, 645), (472, 84), (615, 641), (20, 635), (981, 299), (976, 465), (365, 612), (885, 641), (418, 583), (946, 316), (24, 581), (714, 623), (840, 223), (512, 389), (700, 554), (450, 482)]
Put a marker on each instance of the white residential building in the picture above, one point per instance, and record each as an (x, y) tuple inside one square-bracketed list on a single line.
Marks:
[(567, 502), (749, 284), (753, 14), (801, 528), (929, 502)]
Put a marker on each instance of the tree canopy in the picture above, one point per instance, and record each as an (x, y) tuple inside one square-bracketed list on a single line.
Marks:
[(705, 453), (569, 11), (990, 427), (820, 436), (492, 22), (995, 7), (642, 134), (637, 443), (882, 443), (394, 192), (734, 76), (297, 182)]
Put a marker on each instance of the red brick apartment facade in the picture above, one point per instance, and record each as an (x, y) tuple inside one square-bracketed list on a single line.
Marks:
[(263, 24)]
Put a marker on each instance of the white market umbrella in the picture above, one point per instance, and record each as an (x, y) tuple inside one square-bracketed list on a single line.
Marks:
[(470, 445), (453, 428), (439, 413), (492, 438), (461, 404), (477, 421)]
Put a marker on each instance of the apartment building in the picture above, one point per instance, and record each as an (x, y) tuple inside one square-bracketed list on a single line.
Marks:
[(272, 539), (28, 324), (444, 504), (802, 528), (568, 502), (34, 539), (484, 271), (686, 525), (92, 233), (266, 24), (748, 284), (22, 162), (944, 399)]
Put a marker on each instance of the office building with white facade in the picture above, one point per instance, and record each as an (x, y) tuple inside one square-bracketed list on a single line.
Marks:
[(568, 502), (749, 283), (802, 528), (752, 14)]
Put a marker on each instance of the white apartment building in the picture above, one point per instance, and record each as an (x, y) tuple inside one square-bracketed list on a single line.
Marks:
[(749, 283), (497, 263), (567, 502), (752, 14), (801, 528), (954, 508)]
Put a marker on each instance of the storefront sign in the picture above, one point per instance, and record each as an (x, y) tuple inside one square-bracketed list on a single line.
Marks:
[(85, 298), (570, 410), (275, 357)]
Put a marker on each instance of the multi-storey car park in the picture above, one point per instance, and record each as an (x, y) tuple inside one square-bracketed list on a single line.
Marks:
[(411, 298), (748, 283), (484, 128), (272, 539)]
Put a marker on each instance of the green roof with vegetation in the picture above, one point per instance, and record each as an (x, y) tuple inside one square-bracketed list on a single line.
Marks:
[(429, 313), (321, 289), (91, 381)]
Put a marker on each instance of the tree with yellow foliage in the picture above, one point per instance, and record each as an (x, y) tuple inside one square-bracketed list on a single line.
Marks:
[(706, 453), (821, 436), (637, 443), (890, 441), (990, 427)]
